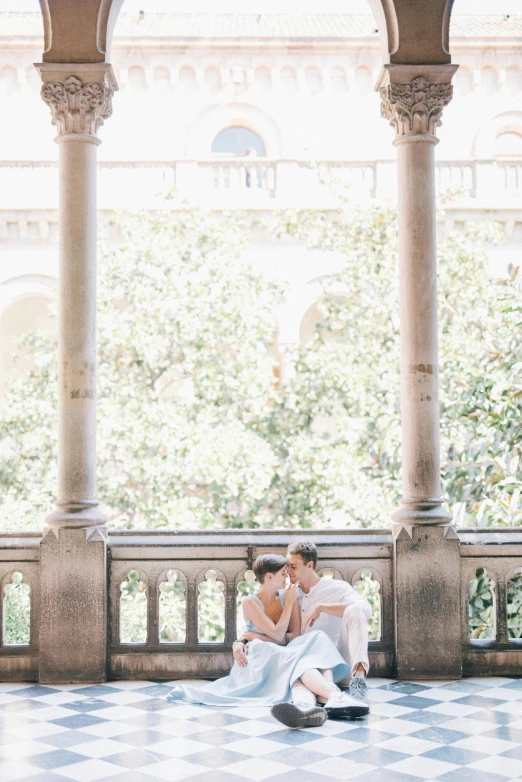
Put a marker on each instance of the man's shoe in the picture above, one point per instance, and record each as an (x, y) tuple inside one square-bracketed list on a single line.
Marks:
[(294, 715), (342, 705), (359, 689)]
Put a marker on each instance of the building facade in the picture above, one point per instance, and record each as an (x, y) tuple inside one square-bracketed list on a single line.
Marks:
[(235, 111)]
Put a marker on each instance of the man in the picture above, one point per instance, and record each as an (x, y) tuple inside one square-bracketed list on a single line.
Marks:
[(342, 613)]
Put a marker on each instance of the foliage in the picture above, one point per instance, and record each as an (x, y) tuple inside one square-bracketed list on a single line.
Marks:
[(211, 609), (514, 605), (172, 609), (17, 612), (369, 589), (481, 607), (133, 610), (195, 430)]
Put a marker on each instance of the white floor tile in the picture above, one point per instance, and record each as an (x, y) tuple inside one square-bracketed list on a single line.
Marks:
[(12, 771), (109, 729), (51, 713), (333, 746), (399, 727), (118, 713), (101, 748), (253, 727), (178, 728), (330, 767), (390, 709), (178, 748), (89, 771), (181, 769), (34, 730), (256, 746), (124, 697), (131, 685), (485, 744), (467, 725), (22, 750), (383, 696), (506, 767), (501, 693), (454, 709), (436, 694), (261, 769), (423, 768), (409, 745)]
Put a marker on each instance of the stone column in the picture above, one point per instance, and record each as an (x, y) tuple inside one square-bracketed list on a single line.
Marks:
[(427, 577), (73, 552)]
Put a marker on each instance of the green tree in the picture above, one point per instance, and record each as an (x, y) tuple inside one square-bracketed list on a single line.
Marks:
[(195, 430)]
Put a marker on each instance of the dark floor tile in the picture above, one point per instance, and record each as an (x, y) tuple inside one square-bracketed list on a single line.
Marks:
[(495, 717), (78, 721), (506, 733), (37, 691), (375, 756), (217, 737), (384, 775), (296, 757), (142, 739), (426, 717), (136, 758), (514, 685), (404, 688), (218, 757), (58, 758), (149, 719), (87, 705), (414, 702), (457, 755), (476, 700), (155, 690), (364, 736), (299, 775), (440, 735), (153, 704), (95, 690), (218, 719), (45, 776), (127, 776), (69, 738), (292, 738), (464, 774)]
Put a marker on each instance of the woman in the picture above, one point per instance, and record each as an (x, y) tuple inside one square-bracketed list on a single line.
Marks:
[(277, 657)]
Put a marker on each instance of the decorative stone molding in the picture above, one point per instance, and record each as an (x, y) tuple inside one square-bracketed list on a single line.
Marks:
[(78, 107), (415, 107)]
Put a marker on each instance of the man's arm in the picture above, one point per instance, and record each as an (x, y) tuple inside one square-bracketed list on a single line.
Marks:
[(335, 609)]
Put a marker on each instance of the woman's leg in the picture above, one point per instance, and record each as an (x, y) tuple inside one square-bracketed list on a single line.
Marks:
[(319, 684)]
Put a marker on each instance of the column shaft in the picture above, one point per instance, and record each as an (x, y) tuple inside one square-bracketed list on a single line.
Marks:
[(77, 323), (418, 303)]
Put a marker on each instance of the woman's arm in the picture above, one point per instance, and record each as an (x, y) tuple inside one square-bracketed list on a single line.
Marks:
[(295, 623), (254, 612), (251, 635)]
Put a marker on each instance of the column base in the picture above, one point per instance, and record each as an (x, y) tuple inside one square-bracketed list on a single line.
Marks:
[(426, 563), (73, 605), (85, 514), (416, 512)]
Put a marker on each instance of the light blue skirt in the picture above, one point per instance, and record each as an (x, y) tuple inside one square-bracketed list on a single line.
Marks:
[(269, 675)]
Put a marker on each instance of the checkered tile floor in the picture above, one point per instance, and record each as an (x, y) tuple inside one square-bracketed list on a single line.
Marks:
[(129, 732)]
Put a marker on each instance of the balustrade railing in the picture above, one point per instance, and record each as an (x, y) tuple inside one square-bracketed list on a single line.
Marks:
[(175, 597)]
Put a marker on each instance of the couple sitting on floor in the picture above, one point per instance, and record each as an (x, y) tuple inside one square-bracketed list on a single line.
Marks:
[(300, 642)]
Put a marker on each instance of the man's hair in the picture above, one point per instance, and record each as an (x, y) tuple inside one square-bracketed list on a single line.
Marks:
[(268, 563), (304, 549)]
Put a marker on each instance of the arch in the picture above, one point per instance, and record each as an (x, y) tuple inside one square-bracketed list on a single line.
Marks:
[(514, 79), (363, 80), (8, 81), (161, 76), (187, 78), (263, 77), (338, 79), (508, 144), (464, 81), (237, 141), (484, 141), (214, 119)]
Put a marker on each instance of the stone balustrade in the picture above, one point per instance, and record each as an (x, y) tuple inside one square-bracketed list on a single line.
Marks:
[(175, 597)]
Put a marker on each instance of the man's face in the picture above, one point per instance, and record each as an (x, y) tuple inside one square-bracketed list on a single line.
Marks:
[(297, 569)]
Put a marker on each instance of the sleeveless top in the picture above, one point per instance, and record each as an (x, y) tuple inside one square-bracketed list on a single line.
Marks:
[(249, 625)]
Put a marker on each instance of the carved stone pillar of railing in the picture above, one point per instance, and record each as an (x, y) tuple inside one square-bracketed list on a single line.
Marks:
[(426, 552), (73, 552)]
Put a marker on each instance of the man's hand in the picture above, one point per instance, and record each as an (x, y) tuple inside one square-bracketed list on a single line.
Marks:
[(310, 618), (240, 651)]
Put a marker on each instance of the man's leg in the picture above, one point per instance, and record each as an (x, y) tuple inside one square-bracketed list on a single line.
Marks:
[(353, 646), (302, 712)]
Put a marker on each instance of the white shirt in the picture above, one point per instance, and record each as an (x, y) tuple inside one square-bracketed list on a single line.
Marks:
[(327, 592)]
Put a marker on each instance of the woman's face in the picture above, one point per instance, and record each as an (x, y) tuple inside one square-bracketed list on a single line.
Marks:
[(280, 577)]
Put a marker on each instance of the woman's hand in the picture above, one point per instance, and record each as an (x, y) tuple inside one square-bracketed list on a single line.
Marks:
[(240, 651), (290, 594)]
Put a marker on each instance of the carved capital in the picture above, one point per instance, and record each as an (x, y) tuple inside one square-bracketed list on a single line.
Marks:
[(414, 96), (78, 107), (415, 107)]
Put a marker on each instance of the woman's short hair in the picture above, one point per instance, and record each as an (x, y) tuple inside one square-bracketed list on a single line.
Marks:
[(268, 563)]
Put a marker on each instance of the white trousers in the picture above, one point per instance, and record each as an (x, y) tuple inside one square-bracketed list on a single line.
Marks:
[(353, 646)]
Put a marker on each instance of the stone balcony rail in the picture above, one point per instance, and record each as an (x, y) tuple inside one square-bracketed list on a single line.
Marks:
[(256, 183), (225, 558)]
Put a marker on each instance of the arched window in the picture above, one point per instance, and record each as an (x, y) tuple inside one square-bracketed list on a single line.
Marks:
[(489, 80), (464, 80), (238, 141), (508, 144), (7, 81), (288, 79), (263, 78), (363, 80), (212, 79), (514, 80), (313, 80), (136, 78), (338, 80)]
